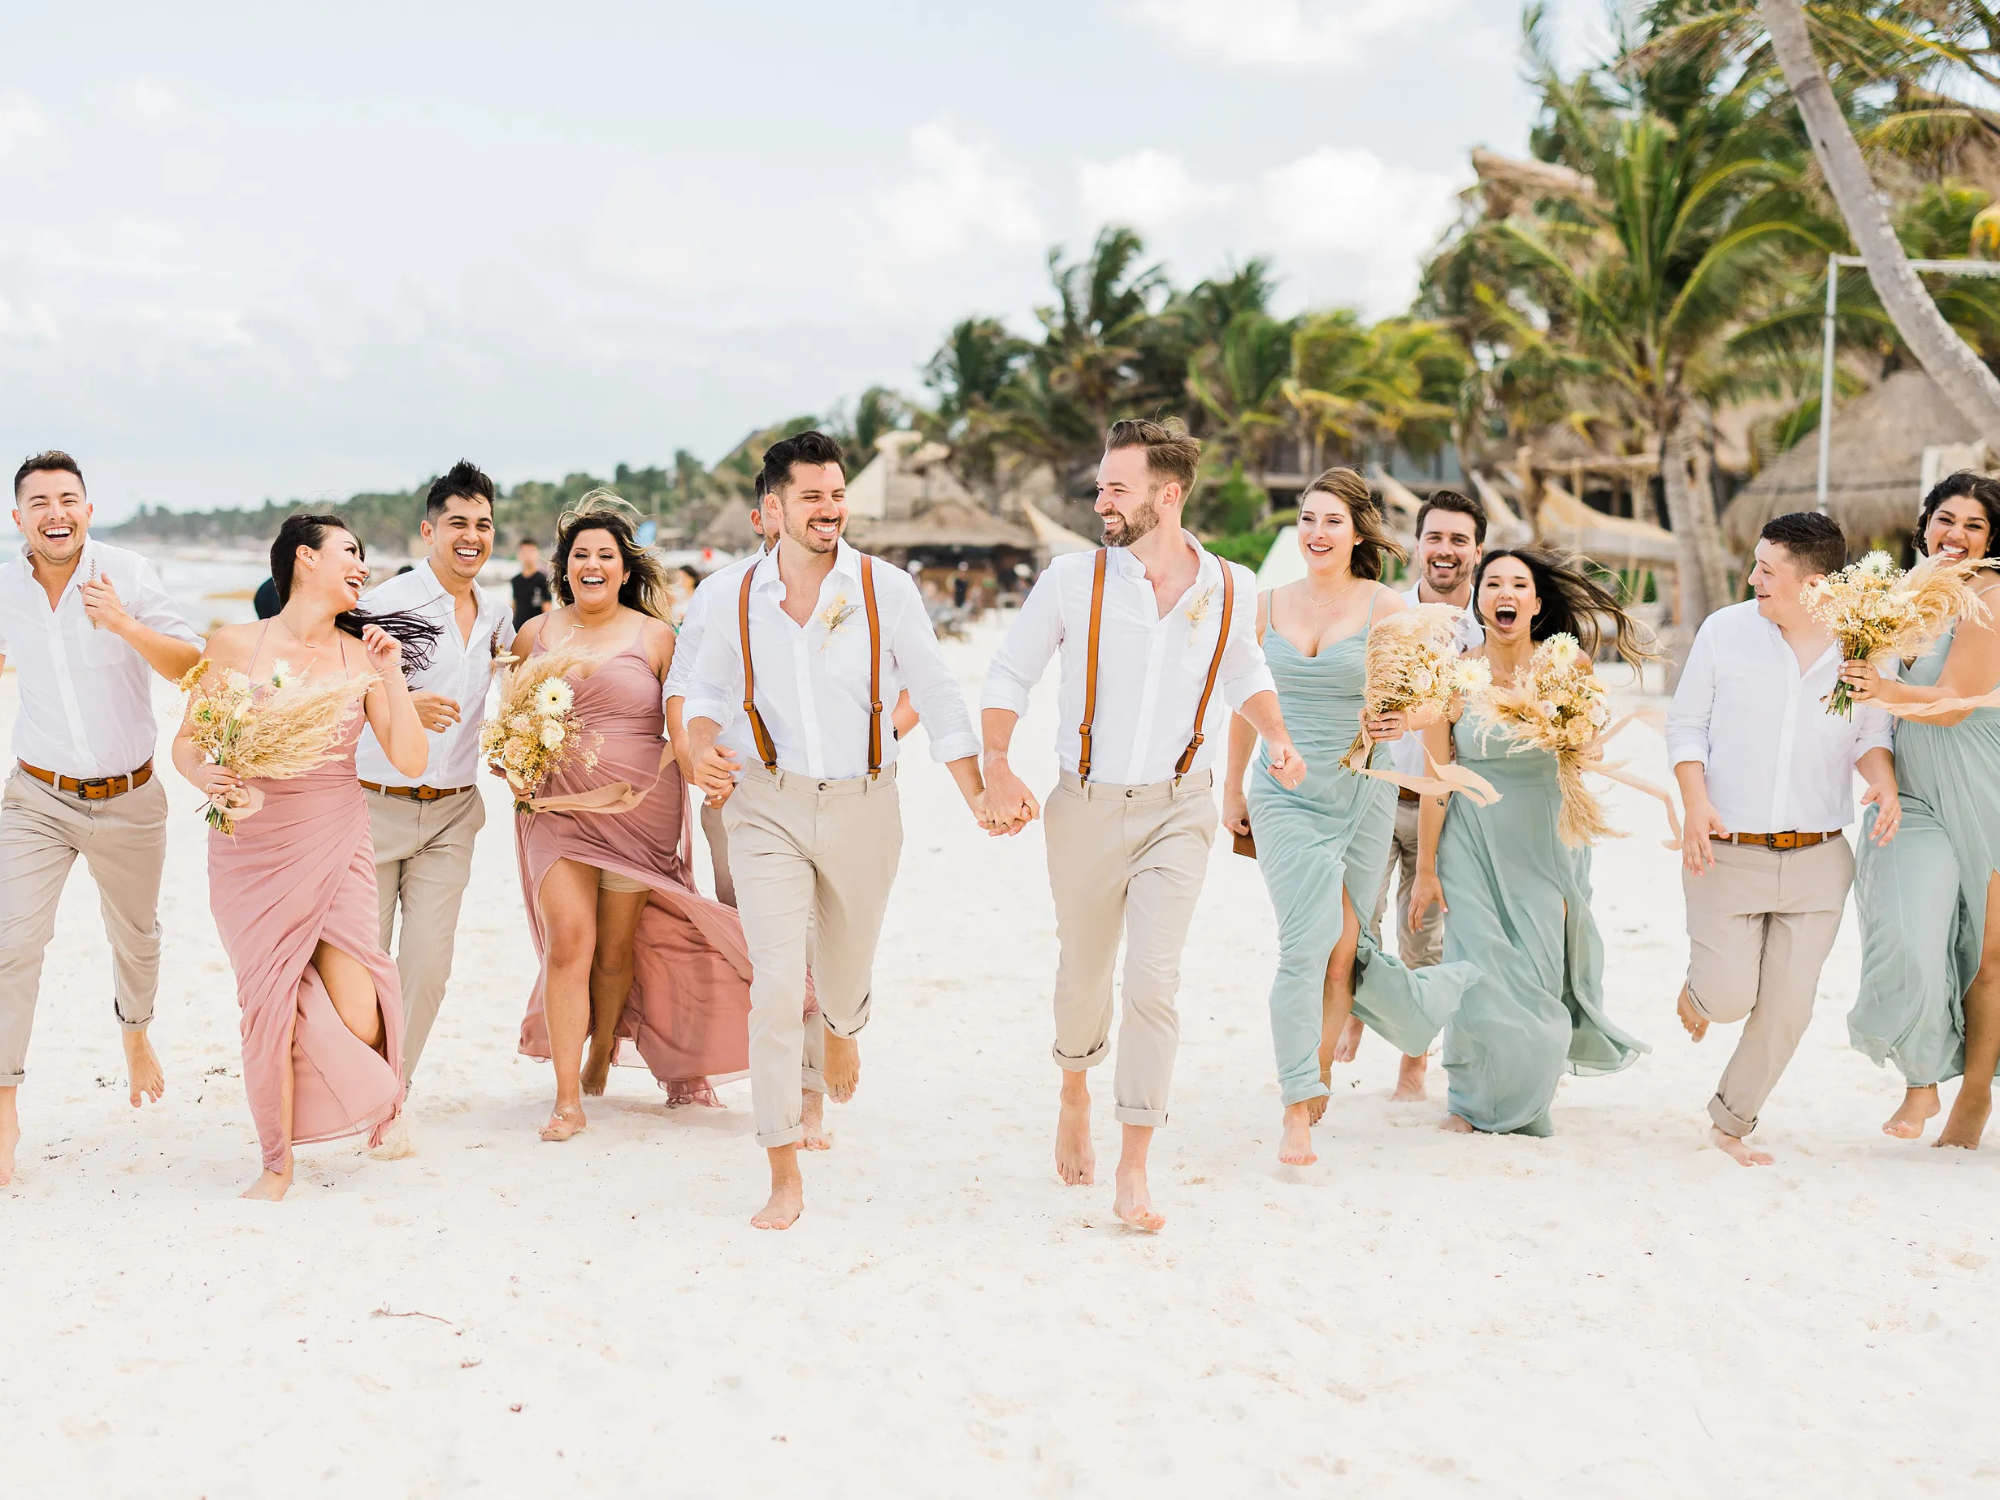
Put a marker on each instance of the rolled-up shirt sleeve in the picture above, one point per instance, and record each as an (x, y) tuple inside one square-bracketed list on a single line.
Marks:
[(1875, 728), (153, 607), (713, 686), (1245, 673), (921, 665), (687, 646), (1694, 704), (1035, 636)]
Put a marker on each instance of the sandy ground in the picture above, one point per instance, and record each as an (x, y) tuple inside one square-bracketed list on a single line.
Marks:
[(1614, 1310)]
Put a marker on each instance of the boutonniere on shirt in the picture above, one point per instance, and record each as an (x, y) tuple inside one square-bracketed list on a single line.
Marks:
[(493, 645), (1197, 612), (834, 616)]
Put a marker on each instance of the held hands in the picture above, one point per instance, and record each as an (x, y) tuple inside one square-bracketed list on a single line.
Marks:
[(384, 651), (1426, 891), (1702, 824), (715, 773), (1007, 805), (1383, 728), (1889, 809), (434, 710), (1236, 811), (102, 604), (1288, 768)]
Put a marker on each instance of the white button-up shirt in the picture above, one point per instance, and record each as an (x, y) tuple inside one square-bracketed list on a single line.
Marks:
[(812, 679), (459, 668), (1407, 754), (713, 606), (1151, 667), (1777, 761), (86, 697)]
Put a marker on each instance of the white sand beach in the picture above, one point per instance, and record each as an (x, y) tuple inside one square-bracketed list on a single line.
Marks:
[(1613, 1311)]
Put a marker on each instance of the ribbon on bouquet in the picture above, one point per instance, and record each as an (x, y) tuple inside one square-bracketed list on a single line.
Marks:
[(1441, 782), (1940, 708), (610, 799), (1615, 771)]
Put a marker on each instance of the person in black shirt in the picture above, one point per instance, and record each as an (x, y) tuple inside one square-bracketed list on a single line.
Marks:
[(532, 595), (267, 601)]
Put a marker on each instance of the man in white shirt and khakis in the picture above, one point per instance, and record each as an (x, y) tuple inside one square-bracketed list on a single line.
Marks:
[(1767, 775), (815, 830), (1158, 641), (424, 830), (85, 627)]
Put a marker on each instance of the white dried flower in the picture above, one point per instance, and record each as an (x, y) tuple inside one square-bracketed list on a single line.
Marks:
[(552, 735)]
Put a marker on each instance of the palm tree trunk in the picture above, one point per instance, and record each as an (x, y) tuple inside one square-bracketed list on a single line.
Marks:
[(1703, 571), (1959, 372)]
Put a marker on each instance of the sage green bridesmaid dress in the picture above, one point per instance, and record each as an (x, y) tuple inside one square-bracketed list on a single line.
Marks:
[(1519, 910), (1329, 832)]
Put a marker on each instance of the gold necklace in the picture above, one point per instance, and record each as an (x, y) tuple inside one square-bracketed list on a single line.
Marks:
[(310, 646), (1319, 603)]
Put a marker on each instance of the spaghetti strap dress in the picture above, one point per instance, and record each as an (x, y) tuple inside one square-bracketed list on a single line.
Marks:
[(1331, 832), (688, 1014), (1520, 910), (299, 872)]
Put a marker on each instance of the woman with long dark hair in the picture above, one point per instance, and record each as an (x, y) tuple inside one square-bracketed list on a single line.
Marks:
[(1929, 996), (293, 888), (629, 949), (1518, 898), (1331, 832)]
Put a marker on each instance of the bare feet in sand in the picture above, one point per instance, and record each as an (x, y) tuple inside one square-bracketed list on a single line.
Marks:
[(788, 1192), (597, 1068), (1134, 1200), (813, 1118), (1457, 1125), (1967, 1121), (842, 1069), (1918, 1106), (1738, 1150), (1296, 1149), (10, 1135), (1695, 1022), (143, 1068), (567, 1120), (1076, 1161), (270, 1186), (1349, 1042), (1410, 1074)]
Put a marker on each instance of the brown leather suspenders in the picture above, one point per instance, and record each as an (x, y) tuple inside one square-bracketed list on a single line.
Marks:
[(1090, 668), (768, 752)]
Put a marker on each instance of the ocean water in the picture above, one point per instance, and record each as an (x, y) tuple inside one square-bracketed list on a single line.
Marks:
[(211, 593)]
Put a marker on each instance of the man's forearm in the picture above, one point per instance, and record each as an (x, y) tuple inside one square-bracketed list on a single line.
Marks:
[(168, 655), (1877, 766), (1266, 717), (1692, 776), (965, 771), (996, 726)]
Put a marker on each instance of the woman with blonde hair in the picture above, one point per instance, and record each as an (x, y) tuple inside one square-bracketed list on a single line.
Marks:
[(1331, 832)]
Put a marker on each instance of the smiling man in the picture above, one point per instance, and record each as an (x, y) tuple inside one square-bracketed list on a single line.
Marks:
[(424, 831), (83, 782)]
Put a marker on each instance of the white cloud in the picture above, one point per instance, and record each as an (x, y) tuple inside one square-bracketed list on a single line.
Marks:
[(959, 194), (148, 101), (24, 128), (646, 235), (1346, 202), (33, 322), (1149, 189), (1289, 34)]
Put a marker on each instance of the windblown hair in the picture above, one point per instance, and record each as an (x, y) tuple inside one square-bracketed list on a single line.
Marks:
[(465, 482), (1570, 602), (1816, 542), (1464, 505), (1373, 546), (1951, 487), (50, 461), (1171, 455), (414, 632), (810, 447), (644, 586)]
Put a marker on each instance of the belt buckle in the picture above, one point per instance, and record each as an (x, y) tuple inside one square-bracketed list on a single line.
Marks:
[(1784, 842), (95, 788)]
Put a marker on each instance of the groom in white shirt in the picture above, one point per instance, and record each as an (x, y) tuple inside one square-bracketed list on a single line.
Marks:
[(1767, 774)]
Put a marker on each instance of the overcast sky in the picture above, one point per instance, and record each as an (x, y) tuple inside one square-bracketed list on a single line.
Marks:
[(253, 250)]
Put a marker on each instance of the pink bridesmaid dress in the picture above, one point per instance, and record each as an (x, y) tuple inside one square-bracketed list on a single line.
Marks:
[(688, 1013), (299, 872)]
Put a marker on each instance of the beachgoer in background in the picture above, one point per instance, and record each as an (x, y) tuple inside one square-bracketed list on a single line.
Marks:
[(1333, 832), (1516, 898), (85, 626), (1930, 903), (293, 888), (1767, 780), (424, 827), (815, 827), (1165, 623), (683, 581), (532, 594), (266, 601)]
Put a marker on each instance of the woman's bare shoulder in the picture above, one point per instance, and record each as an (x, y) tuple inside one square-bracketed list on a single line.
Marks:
[(231, 645), (1388, 601)]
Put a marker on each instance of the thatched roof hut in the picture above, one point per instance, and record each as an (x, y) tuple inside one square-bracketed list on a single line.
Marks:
[(1875, 474), (729, 530), (940, 526)]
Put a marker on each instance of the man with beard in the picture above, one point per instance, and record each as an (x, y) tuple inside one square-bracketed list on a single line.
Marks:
[(1148, 627), (424, 831), (1451, 529), (83, 782)]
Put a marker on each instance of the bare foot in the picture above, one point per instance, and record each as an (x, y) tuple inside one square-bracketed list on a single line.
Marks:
[(1967, 1122), (1134, 1200), (1919, 1105), (1076, 1161), (842, 1070), (1296, 1149), (1316, 1109), (788, 1194), (813, 1118), (1738, 1150), (1350, 1040), (1457, 1125), (1695, 1022), (269, 1186), (1410, 1074), (566, 1121), (143, 1068), (10, 1135), (597, 1069)]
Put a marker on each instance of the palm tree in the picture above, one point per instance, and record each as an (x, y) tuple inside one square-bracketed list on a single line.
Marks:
[(1238, 381), (1361, 386)]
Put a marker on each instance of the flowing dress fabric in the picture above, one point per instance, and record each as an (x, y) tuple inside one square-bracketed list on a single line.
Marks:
[(1332, 831), (688, 1012), (299, 872), (1922, 898), (1519, 903)]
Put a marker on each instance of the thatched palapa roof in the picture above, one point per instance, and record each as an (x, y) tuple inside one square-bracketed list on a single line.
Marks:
[(730, 530), (942, 524)]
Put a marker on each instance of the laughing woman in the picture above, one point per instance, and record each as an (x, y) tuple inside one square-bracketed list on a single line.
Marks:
[(1332, 831), (1517, 896), (629, 950), (293, 888), (1929, 997)]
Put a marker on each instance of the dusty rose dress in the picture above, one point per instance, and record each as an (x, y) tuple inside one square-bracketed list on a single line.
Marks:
[(689, 1011), (298, 872)]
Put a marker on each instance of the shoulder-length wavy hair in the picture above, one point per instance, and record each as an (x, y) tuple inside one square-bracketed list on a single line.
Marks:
[(645, 584), (414, 632), (1572, 603), (1373, 546), (1951, 487)]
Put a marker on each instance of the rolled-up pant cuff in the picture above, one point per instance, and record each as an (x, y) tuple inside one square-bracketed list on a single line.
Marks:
[(1079, 1064), (1152, 1117), (812, 1080), (1298, 1093), (1728, 1123), (12, 1080), (852, 1028), (118, 1010), (782, 1138)]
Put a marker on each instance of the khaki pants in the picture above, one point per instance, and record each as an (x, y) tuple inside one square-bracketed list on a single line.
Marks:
[(1418, 947), (813, 862), (1125, 860), (423, 858), (124, 841), (1760, 925), (717, 834)]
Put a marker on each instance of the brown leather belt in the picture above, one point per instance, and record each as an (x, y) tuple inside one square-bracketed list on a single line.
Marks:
[(416, 793), (1778, 841), (1404, 794), (92, 788)]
